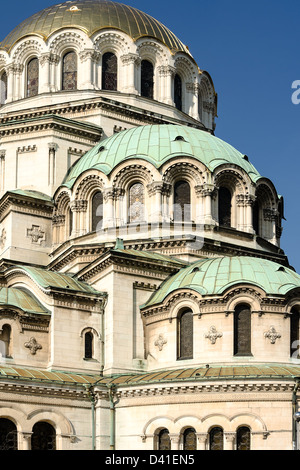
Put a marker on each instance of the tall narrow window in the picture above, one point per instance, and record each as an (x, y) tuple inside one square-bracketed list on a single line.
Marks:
[(216, 438), (200, 105), (8, 435), (224, 207), (178, 92), (182, 201), (3, 88), (5, 341), (294, 333), (43, 437), (189, 439), (32, 77), (69, 71), (242, 330), (70, 222), (109, 72), (255, 217), (185, 335), (147, 79), (136, 203), (243, 438), (97, 211), (88, 345), (164, 441)]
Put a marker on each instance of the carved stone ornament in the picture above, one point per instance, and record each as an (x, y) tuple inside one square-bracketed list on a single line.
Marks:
[(3, 238), (213, 335), (33, 345), (160, 342), (36, 234), (272, 335)]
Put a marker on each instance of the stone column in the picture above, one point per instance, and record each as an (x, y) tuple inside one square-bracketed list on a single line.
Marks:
[(18, 70), (192, 90), (26, 440), (229, 441), (166, 75), (87, 61), (175, 441), (52, 163), (204, 194), (155, 193), (2, 170), (108, 208), (54, 61), (166, 192), (249, 202), (44, 80), (129, 62), (79, 208), (58, 223), (118, 197), (270, 216), (202, 440), (10, 83)]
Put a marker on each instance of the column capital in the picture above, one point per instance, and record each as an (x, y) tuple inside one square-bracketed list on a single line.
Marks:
[(130, 58), (166, 71)]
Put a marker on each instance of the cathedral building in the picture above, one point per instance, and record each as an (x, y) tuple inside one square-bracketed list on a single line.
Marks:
[(145, 302)]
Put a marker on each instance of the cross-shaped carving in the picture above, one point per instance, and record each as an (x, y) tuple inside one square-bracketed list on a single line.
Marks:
[(2, 238), (36, 234), (213, 335), (272, 335), (160, 342), (33, 345)]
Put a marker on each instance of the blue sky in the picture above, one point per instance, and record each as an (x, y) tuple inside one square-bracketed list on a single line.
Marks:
[(252, 51)]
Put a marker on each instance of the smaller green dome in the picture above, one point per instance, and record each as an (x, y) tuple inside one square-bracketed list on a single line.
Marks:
[(214, 276), (22, 299), (157, 144)]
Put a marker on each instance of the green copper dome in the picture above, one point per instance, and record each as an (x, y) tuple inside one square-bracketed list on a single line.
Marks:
[(157, 144), (214, 276), (92, 16)]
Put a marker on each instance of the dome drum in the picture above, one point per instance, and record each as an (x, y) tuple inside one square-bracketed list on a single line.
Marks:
[(92, 32)]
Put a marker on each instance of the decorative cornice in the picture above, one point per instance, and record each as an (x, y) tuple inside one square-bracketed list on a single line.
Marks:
[(106, 105), (52, 122)]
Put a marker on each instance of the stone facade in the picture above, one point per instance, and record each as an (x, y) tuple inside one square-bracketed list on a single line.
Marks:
[(145, 302)]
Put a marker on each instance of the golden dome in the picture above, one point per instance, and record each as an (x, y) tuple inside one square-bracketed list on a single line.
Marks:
[(92, 16)]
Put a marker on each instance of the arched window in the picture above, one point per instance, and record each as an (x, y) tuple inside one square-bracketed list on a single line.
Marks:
[(185, 335), (242, 330), (147, 79), (294, 333), (69, 71), (88, 345), (224, 207), (216, 439), (243, 438), (182, 201), (256, 217), (136, 203), (3, 88), (5, 341), (109, 72), (178, 92), (97, 211), (32, 77), (8, 435), (164, 441), (43, 437), (189, 439)]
